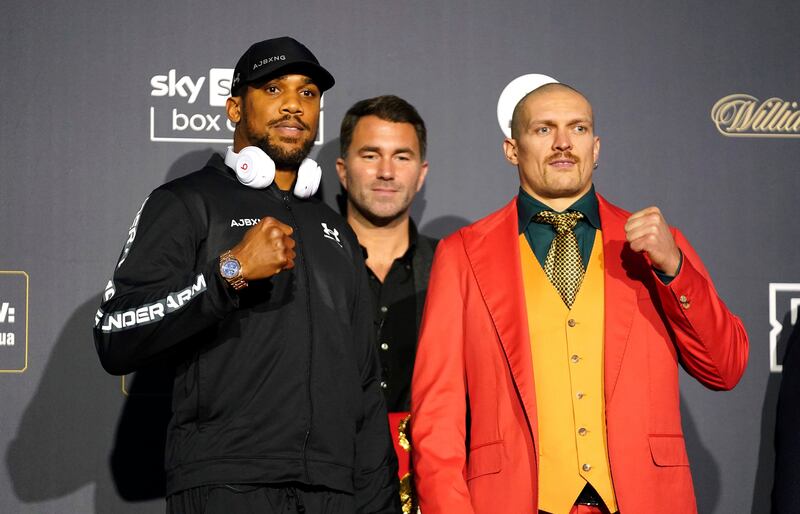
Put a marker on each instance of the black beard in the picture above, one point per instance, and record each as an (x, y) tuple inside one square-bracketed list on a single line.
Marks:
[(284, 159)]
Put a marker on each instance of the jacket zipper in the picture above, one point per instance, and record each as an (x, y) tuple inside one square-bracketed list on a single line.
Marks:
[(298, 237)]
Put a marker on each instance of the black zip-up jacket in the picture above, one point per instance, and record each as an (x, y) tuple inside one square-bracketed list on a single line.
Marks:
[(276, 384)]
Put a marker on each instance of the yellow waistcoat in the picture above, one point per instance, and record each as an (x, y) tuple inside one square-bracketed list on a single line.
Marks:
[(567, 350)]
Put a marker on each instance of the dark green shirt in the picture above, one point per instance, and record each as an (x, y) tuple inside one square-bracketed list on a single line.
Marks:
[(541, 235)]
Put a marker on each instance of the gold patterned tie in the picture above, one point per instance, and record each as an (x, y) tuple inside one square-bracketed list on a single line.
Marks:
[(563, 264)]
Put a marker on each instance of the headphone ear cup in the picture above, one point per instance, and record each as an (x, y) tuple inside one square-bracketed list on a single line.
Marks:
[(309, 176), (254, 168)]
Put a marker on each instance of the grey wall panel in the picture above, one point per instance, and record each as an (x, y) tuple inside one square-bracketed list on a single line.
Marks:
[(78, 160)]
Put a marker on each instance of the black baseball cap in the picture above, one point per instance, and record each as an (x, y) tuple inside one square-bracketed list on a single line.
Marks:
[(275, 57)]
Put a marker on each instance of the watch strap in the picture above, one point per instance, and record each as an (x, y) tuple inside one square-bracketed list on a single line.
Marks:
[(237, 282)]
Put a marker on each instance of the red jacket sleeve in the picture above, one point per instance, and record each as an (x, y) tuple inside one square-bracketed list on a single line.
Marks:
[(711, 341)]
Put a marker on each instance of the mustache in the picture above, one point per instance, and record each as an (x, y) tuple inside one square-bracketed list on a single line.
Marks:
[(289, 117), (564, 155)]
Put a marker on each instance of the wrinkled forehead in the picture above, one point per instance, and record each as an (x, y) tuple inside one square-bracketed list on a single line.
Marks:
[(556, 103)]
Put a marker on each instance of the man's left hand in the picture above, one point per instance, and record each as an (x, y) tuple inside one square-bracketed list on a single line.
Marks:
[(647, 231)]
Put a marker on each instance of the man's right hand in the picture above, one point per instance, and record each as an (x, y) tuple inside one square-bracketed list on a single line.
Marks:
[(265, 250)]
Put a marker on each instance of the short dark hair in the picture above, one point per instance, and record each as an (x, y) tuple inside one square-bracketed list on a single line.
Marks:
[(388, 108)]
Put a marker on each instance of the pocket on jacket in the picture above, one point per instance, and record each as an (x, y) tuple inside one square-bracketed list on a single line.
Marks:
[(485, 459), (668, 450)]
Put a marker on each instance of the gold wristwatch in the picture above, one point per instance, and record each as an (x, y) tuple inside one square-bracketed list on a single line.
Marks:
[(231, 270)]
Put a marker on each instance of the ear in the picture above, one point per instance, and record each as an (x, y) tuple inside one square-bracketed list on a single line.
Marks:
[(510, 150), (596, 149), (341, 172), (423, 172), (233, 107)]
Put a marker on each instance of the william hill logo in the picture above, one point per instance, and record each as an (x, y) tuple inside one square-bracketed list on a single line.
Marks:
[(741, 115)]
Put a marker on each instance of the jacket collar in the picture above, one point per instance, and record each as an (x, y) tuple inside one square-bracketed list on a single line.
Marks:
[(492, 246)]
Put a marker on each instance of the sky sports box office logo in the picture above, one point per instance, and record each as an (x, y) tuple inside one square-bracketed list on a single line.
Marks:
[(191, 108)]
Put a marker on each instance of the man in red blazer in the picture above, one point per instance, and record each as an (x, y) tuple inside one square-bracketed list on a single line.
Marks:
[(525, 404)]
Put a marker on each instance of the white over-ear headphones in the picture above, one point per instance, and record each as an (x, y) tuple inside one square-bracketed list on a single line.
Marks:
[(254, 168)]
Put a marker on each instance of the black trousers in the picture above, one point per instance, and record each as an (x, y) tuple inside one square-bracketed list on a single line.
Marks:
[(260, 499)]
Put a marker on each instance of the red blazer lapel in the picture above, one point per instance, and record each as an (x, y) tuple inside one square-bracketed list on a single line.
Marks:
[(492, 247), (621, 289)]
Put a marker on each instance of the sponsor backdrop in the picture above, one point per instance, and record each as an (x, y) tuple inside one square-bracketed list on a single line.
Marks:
[(696, 105)]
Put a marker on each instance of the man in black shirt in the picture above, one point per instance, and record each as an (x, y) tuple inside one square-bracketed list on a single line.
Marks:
[(255, 291), (382, 166)]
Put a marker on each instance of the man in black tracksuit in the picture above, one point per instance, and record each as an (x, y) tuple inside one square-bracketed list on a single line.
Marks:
[(261, 300)]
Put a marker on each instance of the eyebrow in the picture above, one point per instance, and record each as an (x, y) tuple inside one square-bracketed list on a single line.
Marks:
[(377, 149), (571, 122), (306, 79)]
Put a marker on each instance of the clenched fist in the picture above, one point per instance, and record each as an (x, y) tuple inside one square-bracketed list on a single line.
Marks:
[(265, 249), (647, 231)]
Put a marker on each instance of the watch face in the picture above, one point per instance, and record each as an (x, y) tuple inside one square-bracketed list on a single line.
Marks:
[(230, 268)]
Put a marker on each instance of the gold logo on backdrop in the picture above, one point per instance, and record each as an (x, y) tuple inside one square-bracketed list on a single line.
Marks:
[(741, 115)]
